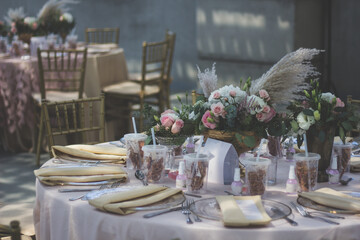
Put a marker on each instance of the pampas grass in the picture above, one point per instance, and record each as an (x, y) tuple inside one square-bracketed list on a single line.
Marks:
[(53, 8), (208, 80), (287, 77), (14, 14)]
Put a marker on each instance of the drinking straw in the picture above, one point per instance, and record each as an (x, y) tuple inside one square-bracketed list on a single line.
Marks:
[(153, 136), (306, 147), (201, 145), (258, 151), (134, 125)]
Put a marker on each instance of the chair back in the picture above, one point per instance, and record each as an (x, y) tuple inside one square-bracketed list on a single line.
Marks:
[(355, 104), (195, 96), (171, 37), (102, 35), (62, 70), (154, 58), (75, 116)]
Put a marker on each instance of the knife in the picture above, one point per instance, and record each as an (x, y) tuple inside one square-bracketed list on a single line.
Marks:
[(278, 211), (149, 215)]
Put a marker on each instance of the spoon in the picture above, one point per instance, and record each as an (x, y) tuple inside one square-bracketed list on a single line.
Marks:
[(141, 176), (345, 182)]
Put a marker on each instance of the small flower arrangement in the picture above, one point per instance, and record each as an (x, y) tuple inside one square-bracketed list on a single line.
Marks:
[(320, 111)]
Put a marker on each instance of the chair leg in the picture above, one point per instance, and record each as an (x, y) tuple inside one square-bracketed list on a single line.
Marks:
[(40, 138), (167, 96)]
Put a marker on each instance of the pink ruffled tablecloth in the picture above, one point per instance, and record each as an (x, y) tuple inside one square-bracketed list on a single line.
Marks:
[(18, 80)]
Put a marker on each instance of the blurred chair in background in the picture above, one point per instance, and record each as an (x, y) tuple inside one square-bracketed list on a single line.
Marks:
[(62, 76), (149, 89), (102, 35)]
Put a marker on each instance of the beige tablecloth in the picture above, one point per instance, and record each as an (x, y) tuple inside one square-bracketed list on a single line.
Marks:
[(19, 79), (57, 218)]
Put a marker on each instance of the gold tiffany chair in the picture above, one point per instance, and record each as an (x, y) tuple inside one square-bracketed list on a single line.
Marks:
[(355, 104), (170, 37), (12, 232), (102, 35), (62, 74), (75, 117), (149, 89)]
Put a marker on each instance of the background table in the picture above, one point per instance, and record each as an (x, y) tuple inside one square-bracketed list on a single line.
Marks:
[(19, 79), (57, 218)]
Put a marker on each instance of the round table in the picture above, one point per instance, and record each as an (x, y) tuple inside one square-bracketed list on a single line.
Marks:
[(58, 218)]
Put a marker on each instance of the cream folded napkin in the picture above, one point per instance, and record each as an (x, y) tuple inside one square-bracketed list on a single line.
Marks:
[(120, 202), (79, 174), (241, 211), (333, 198), (79, 152)]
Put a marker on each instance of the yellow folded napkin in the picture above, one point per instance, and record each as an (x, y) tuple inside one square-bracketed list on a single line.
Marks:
[(333, 198), (79, 174), (120, 202), (355, 164), (241, 211), (79, 152)]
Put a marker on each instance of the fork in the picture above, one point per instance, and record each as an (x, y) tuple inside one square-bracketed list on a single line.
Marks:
[(185, 210), (190, 202), (104, 186), (304, 213)]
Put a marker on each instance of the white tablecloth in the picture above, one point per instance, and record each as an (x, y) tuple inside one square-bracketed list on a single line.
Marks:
[(58, 218)]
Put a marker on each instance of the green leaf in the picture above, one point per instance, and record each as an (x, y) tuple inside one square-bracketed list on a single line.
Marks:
[(353, 119), (238, 137), (347, 126), (330, 119), (250, 141), (308, 112), (342, 134), (148, 140)]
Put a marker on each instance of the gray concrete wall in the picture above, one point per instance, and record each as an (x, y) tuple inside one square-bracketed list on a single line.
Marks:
[(244, 37)]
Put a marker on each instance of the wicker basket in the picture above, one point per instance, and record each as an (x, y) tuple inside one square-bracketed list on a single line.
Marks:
[(230, 137)]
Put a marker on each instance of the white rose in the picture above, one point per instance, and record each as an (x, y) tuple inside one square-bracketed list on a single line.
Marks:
[(29, 20), (327, 97), (305, 121), (68, 17)]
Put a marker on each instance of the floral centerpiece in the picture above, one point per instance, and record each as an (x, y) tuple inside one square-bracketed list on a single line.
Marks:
[(242, 116), (321, 116), (56, 19)]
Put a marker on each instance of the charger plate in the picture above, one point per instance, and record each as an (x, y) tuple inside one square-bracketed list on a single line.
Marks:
[(209, 208), (316, 206)]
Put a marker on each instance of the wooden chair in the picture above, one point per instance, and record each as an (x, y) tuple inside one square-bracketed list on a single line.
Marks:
[(102, 35), (149, 89), (12, 232), (195, 96), (75, 116), (170, 37), (62, 75), (355, 103)]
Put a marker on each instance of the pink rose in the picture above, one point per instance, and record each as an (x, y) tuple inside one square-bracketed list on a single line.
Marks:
[(216, 95), (266, 109), (168, 111), (176, 127), (270, 115), (261, 116), (264, 94), (339, 103), (34, 25), (232, 93), (167, 121), (205, 120), (218, 109)]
